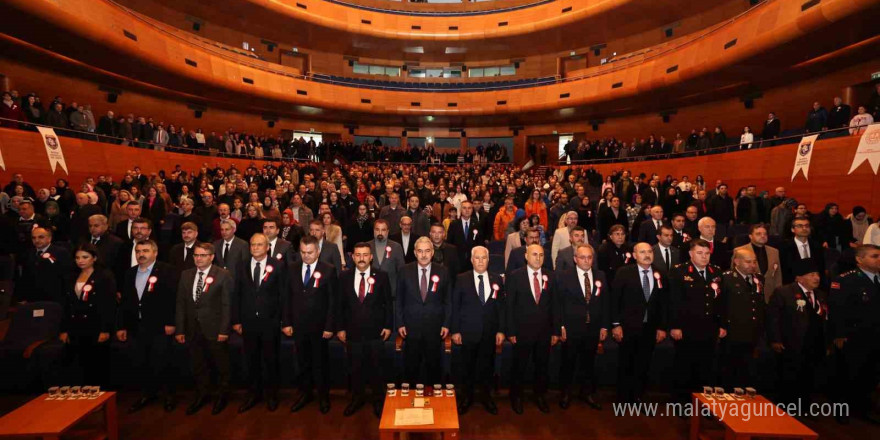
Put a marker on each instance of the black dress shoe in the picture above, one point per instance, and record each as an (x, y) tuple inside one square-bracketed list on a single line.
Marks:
[(377, 408), (564, 401), (196, 405), (324, 405), (355, 404), (140, 403), (517, 405), (489, 404), (219, 405), (588, 398), (303, 400), (170, 404), (542, 404), (464, 405), (251, 401), (272, 403)]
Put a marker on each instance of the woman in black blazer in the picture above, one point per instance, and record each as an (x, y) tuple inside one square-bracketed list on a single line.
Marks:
[(154, 207), (88, 320)]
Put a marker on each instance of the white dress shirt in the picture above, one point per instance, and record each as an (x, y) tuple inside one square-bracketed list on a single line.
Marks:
[(486, 284), (204, 281), (357, 280), (663, 252), (589, 273), (262, 268), (532, 273), (302, 273), (803, 250), (404, 238)]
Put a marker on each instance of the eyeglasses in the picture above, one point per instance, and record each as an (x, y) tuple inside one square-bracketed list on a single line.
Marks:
[(202, 255)]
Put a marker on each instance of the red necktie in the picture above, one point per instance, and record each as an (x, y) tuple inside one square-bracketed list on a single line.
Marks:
[(537, 286), (711, 247), (362, 290)]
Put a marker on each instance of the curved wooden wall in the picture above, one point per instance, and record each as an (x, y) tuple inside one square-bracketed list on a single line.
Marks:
[(765, 35), (768, 168), (482, 7)]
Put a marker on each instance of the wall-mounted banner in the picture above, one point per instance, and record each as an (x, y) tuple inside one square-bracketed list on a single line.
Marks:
[(803, 155), (53, 148), (869, 149)]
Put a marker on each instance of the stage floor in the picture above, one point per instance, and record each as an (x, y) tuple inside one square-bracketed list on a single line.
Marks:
[(578, 422)]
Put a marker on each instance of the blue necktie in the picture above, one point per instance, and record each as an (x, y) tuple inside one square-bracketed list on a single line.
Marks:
[(308, 274), (482, 290)]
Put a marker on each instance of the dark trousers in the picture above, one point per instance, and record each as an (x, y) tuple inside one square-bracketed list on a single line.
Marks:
[(538, 350), (584, 348), (87, 361), (636, 350), (694, 362), (209, 357), (735, 363), (427, 349), (151, 355), (313, 357), (366, 354), (477, 365), (858, 368), (262, 339)]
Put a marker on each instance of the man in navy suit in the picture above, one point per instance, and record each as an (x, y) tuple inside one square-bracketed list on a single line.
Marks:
[(650, 228), (532, 327), (478, 327), (465, 233), (638, 320), (309, 308), (423, 312), (256, 316), (365, 322), (582, 295)]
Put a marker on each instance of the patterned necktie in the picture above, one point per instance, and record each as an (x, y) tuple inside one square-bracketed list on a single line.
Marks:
[(806, 251), (257, 273), (362, 288), (588, 288), (423, 286), (308, 275), (537, 286), (646, 285), (200, 286), (481, 290)]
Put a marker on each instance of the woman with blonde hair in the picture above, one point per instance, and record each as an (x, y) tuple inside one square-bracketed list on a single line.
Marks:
[(252, 222), (117, 208), (561, 236), (333, 234)]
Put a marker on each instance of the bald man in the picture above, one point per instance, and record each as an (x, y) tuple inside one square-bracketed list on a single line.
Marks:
[(650, 228), (742, 316), (532, 325)]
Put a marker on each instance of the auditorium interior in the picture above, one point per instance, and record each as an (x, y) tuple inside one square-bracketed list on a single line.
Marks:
[(268, 219)]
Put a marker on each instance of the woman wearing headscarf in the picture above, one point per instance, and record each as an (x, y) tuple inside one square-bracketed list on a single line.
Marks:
[(830, 227), (856, 226)]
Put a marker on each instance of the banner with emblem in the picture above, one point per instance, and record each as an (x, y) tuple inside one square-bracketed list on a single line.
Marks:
[(803, 155), (869, 149), (53, 148)]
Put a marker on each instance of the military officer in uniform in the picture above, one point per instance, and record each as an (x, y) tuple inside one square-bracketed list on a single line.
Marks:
[(742, 315), (695, 322), (854, 323)]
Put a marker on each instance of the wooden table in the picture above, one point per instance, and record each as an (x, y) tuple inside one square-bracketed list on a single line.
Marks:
[(765, 424), (445, 417), (49, 419)]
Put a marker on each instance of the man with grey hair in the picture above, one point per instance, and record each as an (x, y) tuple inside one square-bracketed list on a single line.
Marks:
[(108, 244), (719, 248), (231, 251)]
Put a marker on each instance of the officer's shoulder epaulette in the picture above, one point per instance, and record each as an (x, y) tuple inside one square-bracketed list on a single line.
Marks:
[(728, 272), (679, 265), (849, 273)]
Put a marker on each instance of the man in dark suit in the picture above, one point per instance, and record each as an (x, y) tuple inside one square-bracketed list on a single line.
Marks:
[(181, 255), (328, 253), (583, 297), (610, 216), (279, 248), (108, 244), (742, 316), (639, 304), (310, 314), (478, 320), (365, 321), (666, 255), (801, 247), (141, 229), (444, 253), (614, 253), (46, 270), (695, 319), (147, 320), (650, 229), (419, 221), (406, 238), (123, 228), (423, 313), (772, 127), (256, 316), (78, 227), (565, 257), (796, 330), (202, 321), (387, 254), (532, 325), (465, 233), (517, 259), (718, 249), (854, 328), (231, 251)]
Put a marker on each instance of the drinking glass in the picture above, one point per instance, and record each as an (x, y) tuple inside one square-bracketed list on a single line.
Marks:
[(438, 390), (719, 392), (392, 389), (751, 392), (53, 392), (75, 392), (404, 389), (739, 392), (64, 391), (420, 390), (707, 392), (450, 390)]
